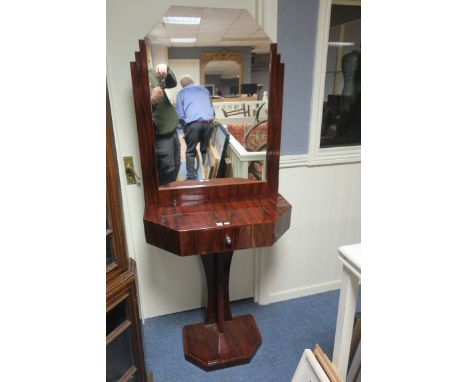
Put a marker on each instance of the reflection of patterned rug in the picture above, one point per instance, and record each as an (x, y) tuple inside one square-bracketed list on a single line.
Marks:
[(237, 131), (256, 140)]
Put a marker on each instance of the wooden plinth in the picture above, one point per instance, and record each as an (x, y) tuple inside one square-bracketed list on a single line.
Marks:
[(221, 341), (209, 349)]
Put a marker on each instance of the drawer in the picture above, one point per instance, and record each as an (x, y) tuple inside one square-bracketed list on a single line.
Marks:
[(222, 239)]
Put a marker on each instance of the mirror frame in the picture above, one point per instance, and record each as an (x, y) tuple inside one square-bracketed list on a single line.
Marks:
[(218, 188), (207, 57)]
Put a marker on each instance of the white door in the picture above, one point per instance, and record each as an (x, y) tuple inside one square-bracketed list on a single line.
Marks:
[(181, 67)]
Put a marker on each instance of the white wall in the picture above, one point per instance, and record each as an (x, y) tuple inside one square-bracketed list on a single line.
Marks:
[(159, 55), (326, 204), (181, 67)]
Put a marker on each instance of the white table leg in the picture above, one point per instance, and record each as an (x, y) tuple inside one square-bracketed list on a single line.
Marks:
[(345, 321)]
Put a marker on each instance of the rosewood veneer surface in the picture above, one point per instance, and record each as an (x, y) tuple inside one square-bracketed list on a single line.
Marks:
[(206, 347), (213, 219), (198, 228)]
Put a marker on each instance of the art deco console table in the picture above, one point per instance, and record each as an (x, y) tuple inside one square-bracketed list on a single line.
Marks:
[(213, 219)]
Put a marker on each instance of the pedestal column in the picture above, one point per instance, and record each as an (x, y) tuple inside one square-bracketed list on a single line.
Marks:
[(221, 341)]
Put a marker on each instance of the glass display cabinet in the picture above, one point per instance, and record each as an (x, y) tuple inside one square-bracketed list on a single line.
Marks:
[(213, 218)]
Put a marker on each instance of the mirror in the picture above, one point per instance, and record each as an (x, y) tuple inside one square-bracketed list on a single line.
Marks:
[(223, 71), (215, 126)]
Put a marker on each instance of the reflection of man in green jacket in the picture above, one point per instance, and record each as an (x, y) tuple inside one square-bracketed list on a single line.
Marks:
[(165, 121)]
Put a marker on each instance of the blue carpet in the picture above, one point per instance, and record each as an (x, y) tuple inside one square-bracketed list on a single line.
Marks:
[(287, 328)]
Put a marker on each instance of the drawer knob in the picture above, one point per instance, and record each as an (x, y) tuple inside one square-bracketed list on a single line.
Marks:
[(228, 240)]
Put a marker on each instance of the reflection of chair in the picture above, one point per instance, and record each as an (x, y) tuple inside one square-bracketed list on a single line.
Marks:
[(257, 113), (243, 110)]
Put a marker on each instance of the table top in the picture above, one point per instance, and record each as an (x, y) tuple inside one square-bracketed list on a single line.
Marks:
[(215, 226), (351, 257)]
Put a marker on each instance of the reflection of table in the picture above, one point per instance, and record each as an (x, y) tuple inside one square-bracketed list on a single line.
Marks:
[(350, 255), (254, 107)]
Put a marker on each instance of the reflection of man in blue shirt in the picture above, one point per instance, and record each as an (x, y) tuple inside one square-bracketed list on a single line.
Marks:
[(196, 115)]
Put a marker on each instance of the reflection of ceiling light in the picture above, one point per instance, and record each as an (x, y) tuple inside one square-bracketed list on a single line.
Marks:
[(336, 43), (182, 20), (188, 39)]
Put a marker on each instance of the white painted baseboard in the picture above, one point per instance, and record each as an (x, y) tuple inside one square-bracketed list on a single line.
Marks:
[(304, 291)]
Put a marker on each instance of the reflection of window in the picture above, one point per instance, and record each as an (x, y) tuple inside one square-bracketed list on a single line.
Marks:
[(341, 117)]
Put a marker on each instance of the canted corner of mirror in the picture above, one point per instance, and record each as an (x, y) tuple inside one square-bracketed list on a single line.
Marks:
[(209, 97)]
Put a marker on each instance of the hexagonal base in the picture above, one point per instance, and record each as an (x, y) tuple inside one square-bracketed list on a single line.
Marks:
[(205, 347)]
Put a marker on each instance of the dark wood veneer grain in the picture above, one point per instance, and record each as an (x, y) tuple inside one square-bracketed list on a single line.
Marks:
[(194, 228), (222, 340), (215, 188), (213, 219), (115, 228)]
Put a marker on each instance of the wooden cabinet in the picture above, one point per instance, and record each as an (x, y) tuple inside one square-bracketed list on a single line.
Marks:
[(116, 258), (124, 346), (124, 353)]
